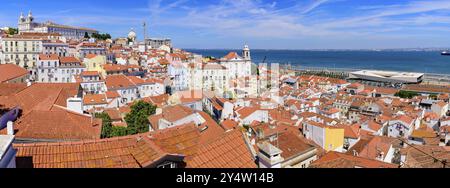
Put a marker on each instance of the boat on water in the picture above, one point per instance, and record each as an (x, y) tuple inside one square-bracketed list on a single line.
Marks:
[(446, 52)]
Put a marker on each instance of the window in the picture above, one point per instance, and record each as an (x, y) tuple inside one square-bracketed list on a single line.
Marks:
[(167, 165)]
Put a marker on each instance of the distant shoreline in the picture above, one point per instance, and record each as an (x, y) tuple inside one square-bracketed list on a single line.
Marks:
[(334, 50)]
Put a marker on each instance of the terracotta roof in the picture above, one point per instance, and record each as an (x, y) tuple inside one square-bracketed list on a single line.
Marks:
[(231, 55), (94, 99), (417, 159), (114, 67), (373, 147), (405, 119), (118, 81), (40, 96), (90, 73), (114, 114), (351, 131), (11, 71), (441, 104), (11, 88), (246, 111), (160, 100), (227, 151), (57, 124), (46, 57), (423, 134), (90, 56), (177, 112), (69, 60), (355, 85), (229, 124), (383, 90), (182, 139), (123, 152), (112, 94), (291, 145), (339, 160), (374, 125), (210, 129)]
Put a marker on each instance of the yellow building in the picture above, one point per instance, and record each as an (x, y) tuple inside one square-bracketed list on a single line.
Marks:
[(95, 62), (334, 139), (330, 138)]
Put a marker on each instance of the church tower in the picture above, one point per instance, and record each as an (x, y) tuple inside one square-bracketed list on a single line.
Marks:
[(25, 24), (30, 18), (21, 24), (246, 53)]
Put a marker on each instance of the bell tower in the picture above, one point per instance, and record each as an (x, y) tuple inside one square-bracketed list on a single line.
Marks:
[(246, 53)]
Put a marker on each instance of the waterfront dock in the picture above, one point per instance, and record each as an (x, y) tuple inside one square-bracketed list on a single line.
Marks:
[(344, 73)]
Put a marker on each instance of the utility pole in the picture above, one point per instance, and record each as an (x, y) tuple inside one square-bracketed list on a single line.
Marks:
[(145, 35)]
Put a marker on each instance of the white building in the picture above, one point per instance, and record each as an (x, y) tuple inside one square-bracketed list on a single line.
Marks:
[(86, 48), (27, 25), (57, 47), (131, 88), (237, 66), (55, 69), (21, 50), (180, 76), (401, 126), (92, 82)]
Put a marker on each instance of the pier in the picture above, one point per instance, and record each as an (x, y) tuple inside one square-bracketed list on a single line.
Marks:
[(343, 73)]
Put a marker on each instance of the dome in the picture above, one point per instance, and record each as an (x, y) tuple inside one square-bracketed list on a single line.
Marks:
[(132, 34)]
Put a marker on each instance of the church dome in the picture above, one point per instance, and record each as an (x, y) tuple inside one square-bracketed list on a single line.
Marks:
[(132, 35)]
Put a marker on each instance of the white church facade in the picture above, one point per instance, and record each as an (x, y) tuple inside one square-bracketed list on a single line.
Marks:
[(28, 25)]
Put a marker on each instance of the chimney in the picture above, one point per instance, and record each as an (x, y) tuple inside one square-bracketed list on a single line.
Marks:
[(10, 128)]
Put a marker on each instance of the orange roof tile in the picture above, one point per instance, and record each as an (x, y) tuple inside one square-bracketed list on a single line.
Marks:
[(41, 96), (69, 60), (90, 73), (94, 99), (123, 152), (58, 124), (118, 81), (11, 71), (47, 57), (231, 55), (339, 160), (229, 124), (227, 151), (112, 94)]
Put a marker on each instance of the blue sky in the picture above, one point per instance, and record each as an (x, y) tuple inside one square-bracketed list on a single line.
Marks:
[(263, 24)]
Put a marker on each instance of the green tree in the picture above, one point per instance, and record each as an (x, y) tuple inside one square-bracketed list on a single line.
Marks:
[(434, 96), (12, 31), (406, 94), (137, 119), (106, 124), (119, 131), (101, 36)]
